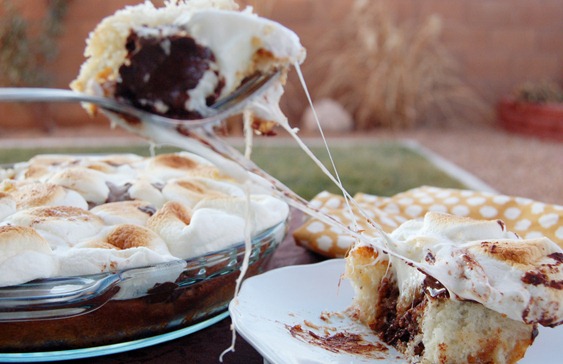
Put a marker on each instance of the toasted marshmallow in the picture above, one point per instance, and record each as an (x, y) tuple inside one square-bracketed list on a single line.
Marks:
[(99, 166), (179, 165), (116, 248), (7, 205), (261, 213), (7, 173), (100, 258), (125, 212), (190, 191), (24, 256), (126, 236), (62, 226), (120, 160), (145, 190), (89, 183), (481, 261), (30, 194), (170, 220), (215, 224), (52, 159), (36, 171)]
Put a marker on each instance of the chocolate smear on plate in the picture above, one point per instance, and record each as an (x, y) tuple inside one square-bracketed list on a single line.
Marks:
[(339, 342)]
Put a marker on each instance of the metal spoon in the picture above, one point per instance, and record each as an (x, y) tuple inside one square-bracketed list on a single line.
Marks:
[(223, 108)]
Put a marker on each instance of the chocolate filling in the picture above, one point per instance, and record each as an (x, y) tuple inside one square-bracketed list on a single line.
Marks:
[(558, 257), (158, 185), (118, 193), (159, 72), (148, 209), (435, 289), (539, 278), (397, 327)]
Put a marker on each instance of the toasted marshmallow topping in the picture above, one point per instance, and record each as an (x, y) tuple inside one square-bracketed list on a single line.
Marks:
[(62, 226), (481, 261), (116, 212), (117, 247), (190, 191), (29, 195), (181, 228), (182, 165)]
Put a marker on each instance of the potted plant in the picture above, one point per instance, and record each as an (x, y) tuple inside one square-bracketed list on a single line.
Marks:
[(534, 109)]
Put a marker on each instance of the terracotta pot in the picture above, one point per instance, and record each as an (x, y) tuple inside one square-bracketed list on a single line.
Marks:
[(540, 120)]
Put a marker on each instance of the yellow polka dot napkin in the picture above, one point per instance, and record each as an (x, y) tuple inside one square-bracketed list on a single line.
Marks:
[(526, 217)]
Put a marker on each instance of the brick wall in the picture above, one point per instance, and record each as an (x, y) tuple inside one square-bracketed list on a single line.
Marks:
[(497, 43)]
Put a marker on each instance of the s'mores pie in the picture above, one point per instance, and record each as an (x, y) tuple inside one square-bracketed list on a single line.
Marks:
[(162, 236), (94, 214), (179, 59), (123, 247), (457, 290)]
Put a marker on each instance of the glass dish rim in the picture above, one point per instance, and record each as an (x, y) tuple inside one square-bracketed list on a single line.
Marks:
[(83, 353), (16, 302)]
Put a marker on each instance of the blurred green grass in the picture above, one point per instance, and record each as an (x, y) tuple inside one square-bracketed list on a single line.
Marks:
[(382, 168)]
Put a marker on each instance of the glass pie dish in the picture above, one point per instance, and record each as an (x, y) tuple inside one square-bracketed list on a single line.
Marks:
[(89, 311)]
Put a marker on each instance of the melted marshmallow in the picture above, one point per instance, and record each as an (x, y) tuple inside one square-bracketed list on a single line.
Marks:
[(482, 262), (247, 34)]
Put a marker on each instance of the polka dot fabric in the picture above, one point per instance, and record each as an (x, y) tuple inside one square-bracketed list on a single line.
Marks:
[(527, 218)]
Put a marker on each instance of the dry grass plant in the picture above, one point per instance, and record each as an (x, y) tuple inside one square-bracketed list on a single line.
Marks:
[(545, 91), (388, 75)]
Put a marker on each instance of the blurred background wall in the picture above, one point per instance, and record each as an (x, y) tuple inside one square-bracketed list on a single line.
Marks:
[(493, 45)]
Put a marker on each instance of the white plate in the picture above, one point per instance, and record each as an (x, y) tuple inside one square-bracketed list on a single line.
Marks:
[(269, 304)]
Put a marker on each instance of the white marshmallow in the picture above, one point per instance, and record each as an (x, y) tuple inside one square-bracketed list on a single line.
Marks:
[(7, 205), (145, 190), (215, 224), (24, 256), (180, 165), (35, 194), (89, 183), (125, 212), (190, 191), (116, 248), (62, 226)]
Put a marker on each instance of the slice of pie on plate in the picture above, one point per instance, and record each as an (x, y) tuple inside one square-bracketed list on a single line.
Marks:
[(462, 291)]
